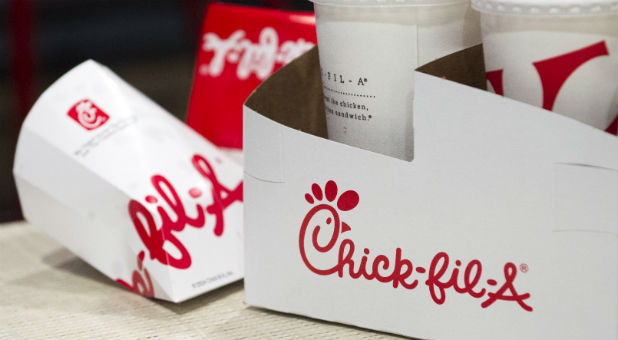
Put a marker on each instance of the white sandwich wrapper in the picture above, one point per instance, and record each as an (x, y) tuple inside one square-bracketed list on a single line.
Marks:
[(129, 188), (504, 226)]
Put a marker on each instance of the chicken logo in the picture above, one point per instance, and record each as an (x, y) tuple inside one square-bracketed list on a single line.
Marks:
[(325, 212), (88, 115), (155, 232)]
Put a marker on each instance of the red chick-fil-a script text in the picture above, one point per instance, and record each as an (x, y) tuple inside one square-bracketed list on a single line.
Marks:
[(442, 275), (195, 216)]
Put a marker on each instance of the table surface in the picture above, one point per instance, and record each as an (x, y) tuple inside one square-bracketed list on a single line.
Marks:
[(47, 292)]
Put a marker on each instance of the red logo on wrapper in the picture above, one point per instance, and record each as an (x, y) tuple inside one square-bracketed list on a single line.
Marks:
[(154, 237), (157, 231), (241, 46), (88, 115), (322, 236)]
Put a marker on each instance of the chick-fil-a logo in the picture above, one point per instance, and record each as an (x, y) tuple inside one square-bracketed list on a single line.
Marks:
[(154, 237), (251, 58), (87, 114), (442, 276)]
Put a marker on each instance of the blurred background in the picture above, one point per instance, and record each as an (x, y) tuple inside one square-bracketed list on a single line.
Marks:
[(152, 44)]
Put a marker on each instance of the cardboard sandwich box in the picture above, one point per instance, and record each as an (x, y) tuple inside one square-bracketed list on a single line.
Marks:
[(129, 188), (504, 226)]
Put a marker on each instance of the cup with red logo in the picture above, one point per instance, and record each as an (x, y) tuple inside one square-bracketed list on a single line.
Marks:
[(561, 55), (368, 52)]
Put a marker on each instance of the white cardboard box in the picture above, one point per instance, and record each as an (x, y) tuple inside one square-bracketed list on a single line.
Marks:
[(523, 200), (129, 188)]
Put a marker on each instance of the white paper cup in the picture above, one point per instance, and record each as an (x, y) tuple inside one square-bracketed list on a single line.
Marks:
[(368, 52), (561, 55)]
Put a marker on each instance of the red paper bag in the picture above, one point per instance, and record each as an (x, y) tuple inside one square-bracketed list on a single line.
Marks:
[(241, 46)]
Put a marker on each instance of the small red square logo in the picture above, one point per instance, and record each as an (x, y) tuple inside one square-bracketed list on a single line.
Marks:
[(88, 115)]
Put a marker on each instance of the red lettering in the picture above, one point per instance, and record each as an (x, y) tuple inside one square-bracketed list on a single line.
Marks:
[(433, 282), (400, 269), (154, 238), (478, 269), (403, 274), (222, 196), (510, 271), (346, 251), (164, 188), (438, 268)]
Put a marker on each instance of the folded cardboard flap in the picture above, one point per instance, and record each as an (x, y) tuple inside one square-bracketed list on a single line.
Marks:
[(279, 98), (465, 67)]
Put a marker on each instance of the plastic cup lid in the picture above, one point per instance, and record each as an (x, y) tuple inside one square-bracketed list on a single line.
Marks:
[(547, 7), (380, 3)]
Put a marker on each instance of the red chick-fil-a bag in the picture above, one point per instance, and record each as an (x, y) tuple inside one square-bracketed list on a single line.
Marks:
[(240, 47)]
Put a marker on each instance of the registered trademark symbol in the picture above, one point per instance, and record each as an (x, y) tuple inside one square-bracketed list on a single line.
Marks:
[(523, 268)]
